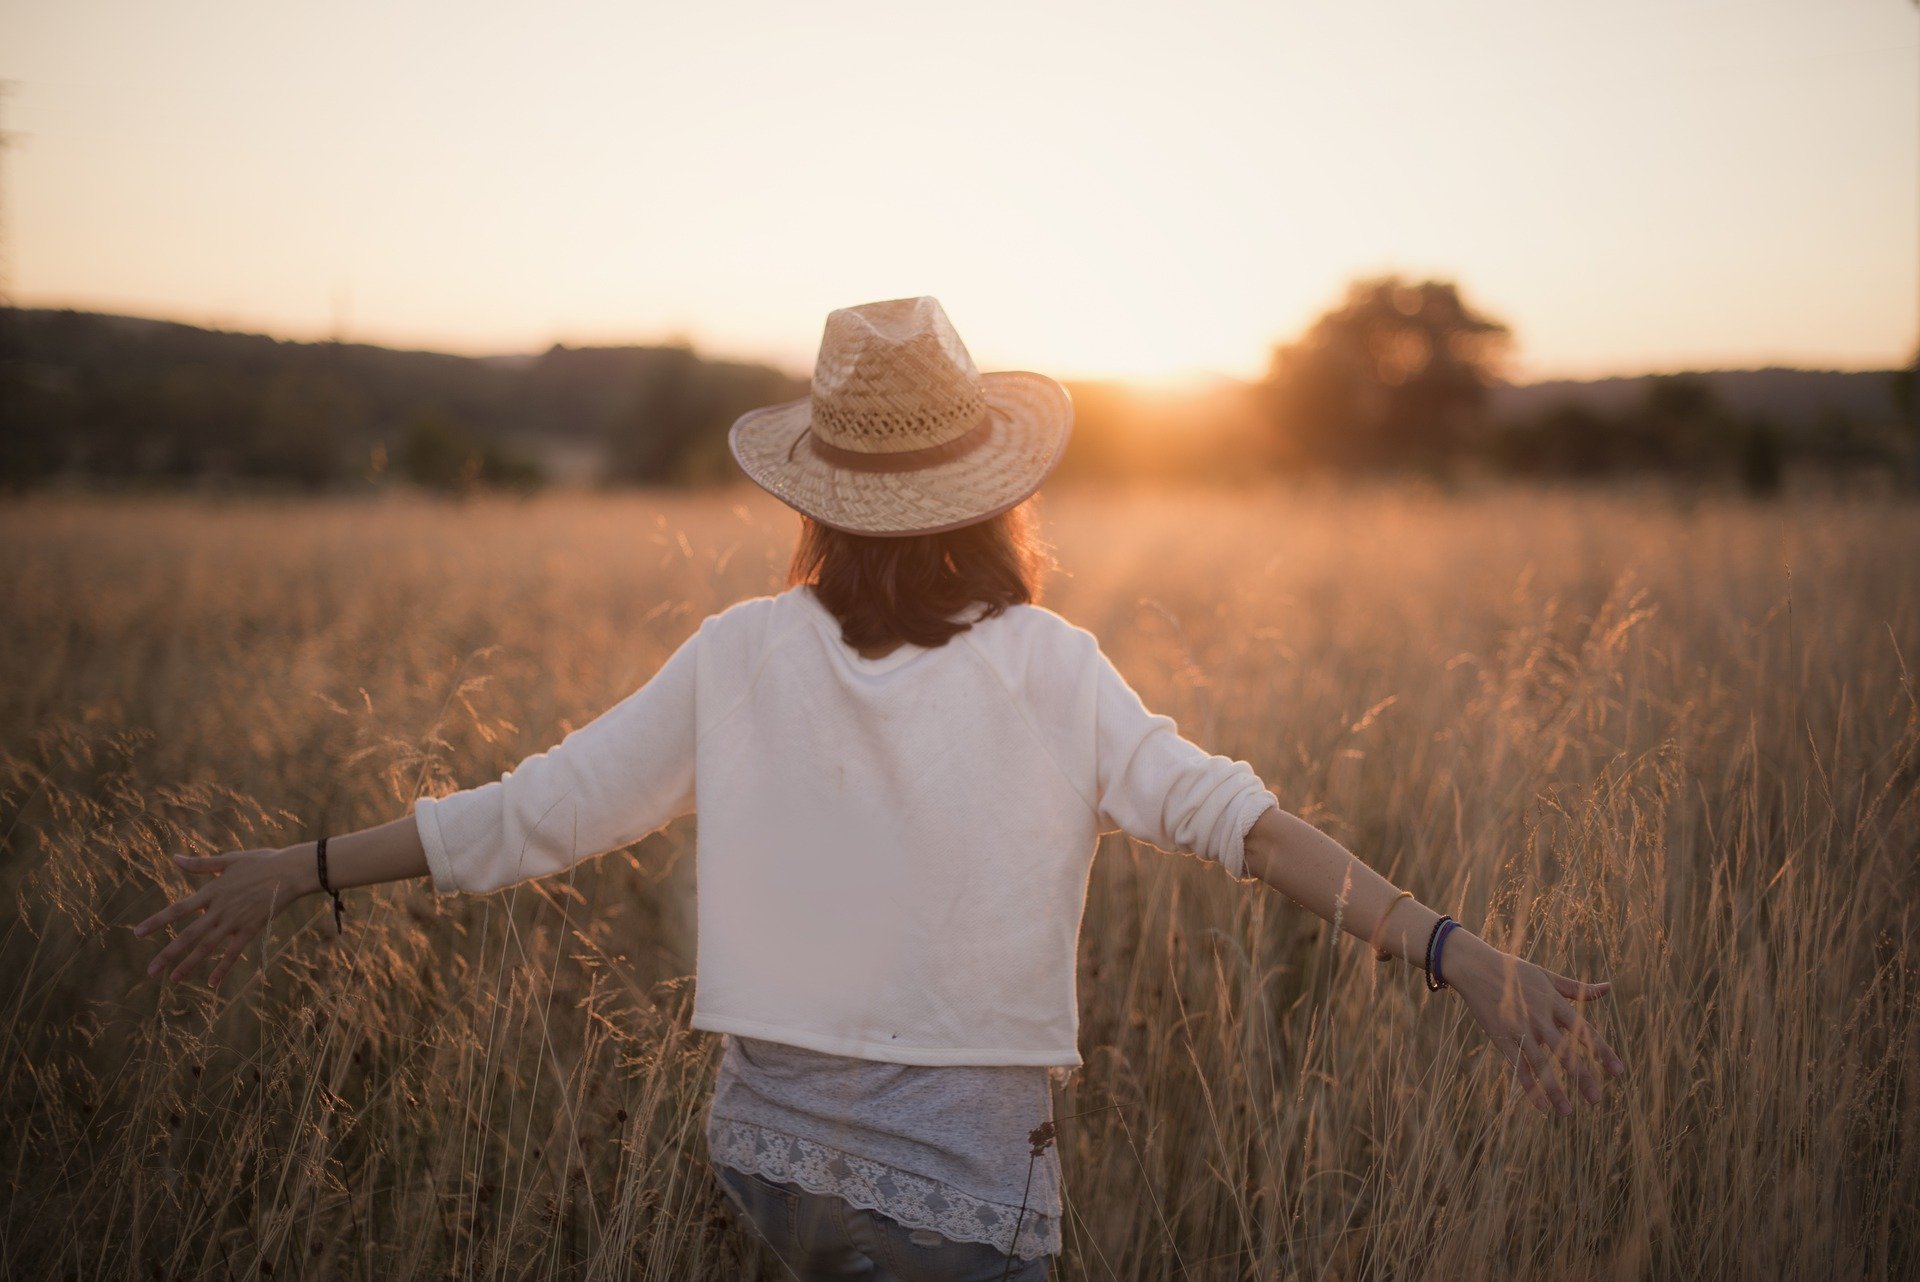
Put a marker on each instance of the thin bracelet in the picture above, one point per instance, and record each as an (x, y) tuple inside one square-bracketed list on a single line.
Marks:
[(1432, 985), (320, 857), (1439, 950), (1379, 953)]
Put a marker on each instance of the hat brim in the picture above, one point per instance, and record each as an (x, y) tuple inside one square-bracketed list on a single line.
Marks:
[(1030, 420)]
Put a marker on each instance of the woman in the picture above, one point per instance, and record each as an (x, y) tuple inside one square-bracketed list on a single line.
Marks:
[(903, 764)]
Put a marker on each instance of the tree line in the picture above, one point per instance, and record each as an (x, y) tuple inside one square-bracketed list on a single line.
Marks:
[(144, 401), (1398, 376)]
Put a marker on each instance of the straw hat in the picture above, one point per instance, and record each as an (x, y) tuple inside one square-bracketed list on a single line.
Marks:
[(902, 435)]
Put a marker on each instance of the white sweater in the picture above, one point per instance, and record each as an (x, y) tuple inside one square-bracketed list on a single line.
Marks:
[(892, 853)]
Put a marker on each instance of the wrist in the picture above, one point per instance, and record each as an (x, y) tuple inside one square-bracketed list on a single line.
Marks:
[(299, 868), (1467, 958)]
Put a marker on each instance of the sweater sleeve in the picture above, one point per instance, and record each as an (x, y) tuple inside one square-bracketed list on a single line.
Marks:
[(1165, 790), (622, 776)]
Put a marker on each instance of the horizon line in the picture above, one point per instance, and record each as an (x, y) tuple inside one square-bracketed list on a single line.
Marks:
[(1179, 379)]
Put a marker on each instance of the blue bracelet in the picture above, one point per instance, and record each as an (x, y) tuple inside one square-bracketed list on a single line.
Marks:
[(1439, 946)]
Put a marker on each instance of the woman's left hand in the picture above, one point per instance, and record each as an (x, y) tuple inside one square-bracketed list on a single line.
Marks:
[(248, 888), (1529, 1013)]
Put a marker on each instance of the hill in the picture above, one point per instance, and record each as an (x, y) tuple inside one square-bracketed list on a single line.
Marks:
[(1797, 399), (133, 398)]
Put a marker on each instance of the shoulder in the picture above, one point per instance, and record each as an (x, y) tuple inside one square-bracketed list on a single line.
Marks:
[(1032, 640), (1037, 621), (1048, 667), (751, 625)]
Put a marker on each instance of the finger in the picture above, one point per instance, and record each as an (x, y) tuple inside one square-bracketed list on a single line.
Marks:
[(1583, 1028), (1588, 1037), (1572, 1054), (1512, 1048), (1530, 1081), (1576, 990), (1579, 1029), (203, 863), (1606, 1054), (172, 912), (1587, 1055), (201, 951), (1541, 1060), (1588, 1083), (1561, 1048), (181, 942), (227, 960)]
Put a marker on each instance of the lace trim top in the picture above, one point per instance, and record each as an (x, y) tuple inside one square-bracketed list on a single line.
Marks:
[(913, 1200), (941, 1147)]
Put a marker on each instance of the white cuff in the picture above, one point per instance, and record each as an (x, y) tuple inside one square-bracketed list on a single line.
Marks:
[(428, 824), (1252, 806)]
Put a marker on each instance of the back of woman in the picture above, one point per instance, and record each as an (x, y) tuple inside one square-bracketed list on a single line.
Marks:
[(892, 852), (900, 765)]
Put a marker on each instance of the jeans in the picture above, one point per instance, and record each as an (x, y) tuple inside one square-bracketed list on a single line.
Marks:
[(821, 1238)]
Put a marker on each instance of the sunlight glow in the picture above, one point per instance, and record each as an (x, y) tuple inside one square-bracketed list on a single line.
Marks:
[(1091, 189)]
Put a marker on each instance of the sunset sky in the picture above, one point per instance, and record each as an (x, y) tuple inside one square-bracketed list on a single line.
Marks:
[(1090, 188)]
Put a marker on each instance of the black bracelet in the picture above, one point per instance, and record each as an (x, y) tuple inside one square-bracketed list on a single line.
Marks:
[(1434, 985), (320, 857)]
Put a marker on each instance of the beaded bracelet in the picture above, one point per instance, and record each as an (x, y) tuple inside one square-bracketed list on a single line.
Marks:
[(320, 858), (1434, 982)]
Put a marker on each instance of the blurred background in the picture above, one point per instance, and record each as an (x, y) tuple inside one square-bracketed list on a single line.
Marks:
[(482, 245), (1495, 424)]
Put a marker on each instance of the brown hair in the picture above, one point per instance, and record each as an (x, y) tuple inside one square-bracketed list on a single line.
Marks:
[(887, 588)]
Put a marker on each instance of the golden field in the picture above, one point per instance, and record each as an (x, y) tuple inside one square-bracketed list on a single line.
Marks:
[(1673, 744)]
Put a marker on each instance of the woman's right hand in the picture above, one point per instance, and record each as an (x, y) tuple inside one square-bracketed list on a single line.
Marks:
[(248, 888), (1530, 1015)]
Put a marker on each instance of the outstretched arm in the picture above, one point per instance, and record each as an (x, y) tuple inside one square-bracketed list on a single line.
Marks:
[(607, 784), (250, 887), (1529, 1012)]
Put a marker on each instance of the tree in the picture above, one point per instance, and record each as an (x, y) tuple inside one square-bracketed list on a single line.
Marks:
[(674, 429), (436, 452), (1683, 426), (1762, 458), (1396, 376), (675, 399), (1679, 426)]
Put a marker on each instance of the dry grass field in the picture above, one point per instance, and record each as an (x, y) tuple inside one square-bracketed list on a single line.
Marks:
[(1677, 745)]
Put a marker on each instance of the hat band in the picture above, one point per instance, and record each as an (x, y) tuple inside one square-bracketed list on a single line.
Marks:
[(901, 460)]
